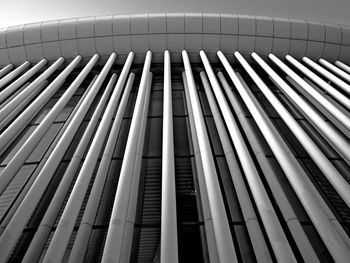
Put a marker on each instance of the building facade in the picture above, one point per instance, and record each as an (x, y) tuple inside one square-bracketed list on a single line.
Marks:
[(175, 138)]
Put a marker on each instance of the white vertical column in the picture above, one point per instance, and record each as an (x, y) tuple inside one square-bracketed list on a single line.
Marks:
[(17, 161), (226, 249), (114, 241), (343, 66), (278, 240), (340, 83), (44, 229), (12, 75), (6, 70), (17, 202), (328, 234), (60, 239), (134, 190), (336, 139), (85, 228), (16, 225), (29, 91), (4, 94), (168, 246), (342, 99), (255, 234), (335, 69), (208, 240)]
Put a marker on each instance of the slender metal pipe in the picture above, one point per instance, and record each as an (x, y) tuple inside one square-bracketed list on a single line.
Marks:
[(114, 241), (4, 94), (11, 116), (60, 239), (255, 234), (169, 248), (57, 247), (12, 75), (33, 87), (16, 162), (85, 228), (343, 100), (6, 70), (18, 200), (332, 109), (318, 106), (333, 136), (16, 225), (43, 232), (328, 234), (272, 174), (13, 95), (335, 69), (133, 195), (340, 83), (208, 237), (343, 66), (30, 144), (226, 249), (278, 240)]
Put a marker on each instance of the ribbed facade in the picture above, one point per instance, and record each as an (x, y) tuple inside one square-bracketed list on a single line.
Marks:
[(177, 154)]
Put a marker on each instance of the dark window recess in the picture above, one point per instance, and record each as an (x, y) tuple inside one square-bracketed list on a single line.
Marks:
[(156, 104), (233, 208), (290, 139), (189, 242), (214, 136), (95, 246), (147, 228), (75, 142), (153, 141), (178, 103), (29, 232), (324, 146), (317, 243), (48, 195), (92, 108), (245, 248), (204, 103), (343, 168), (266, 105), (292, 109), (333, 199), (122, 139), (181, 142), (186, 196), (288, 190), (108, 195), (130, 105)]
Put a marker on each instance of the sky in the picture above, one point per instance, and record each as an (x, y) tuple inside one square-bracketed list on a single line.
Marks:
[(15, 12)]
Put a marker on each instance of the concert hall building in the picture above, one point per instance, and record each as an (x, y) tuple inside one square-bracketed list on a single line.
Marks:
[(175, 137)]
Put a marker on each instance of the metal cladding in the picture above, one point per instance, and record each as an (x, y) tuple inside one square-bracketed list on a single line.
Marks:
[(175, 138)]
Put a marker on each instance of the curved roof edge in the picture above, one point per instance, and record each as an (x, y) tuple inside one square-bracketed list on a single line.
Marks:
[(175, 32)]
